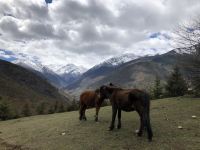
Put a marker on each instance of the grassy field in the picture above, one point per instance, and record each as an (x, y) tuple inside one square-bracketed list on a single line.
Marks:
[(45, 132)]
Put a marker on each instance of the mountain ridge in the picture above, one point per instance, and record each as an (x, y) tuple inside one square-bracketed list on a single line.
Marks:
[(138, 73)]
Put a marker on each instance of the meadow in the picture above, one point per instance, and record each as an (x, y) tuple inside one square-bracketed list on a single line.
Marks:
[(63, 131)]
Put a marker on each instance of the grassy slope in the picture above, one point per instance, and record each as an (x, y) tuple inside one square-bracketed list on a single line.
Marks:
[(19, 86), (44, 132)]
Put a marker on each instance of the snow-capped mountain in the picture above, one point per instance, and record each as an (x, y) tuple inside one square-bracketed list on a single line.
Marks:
[(59, 76), (37, 67), (71, 68), (117, 60), (99, 71), (138, 72), (70, 72), (30, 64)]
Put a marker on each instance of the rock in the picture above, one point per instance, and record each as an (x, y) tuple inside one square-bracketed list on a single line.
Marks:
[(180, 127), (63, 133), (136, 131), (194, 116)]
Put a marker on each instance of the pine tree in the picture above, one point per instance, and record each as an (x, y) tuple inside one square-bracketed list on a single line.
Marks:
[(73, 106), (176, 85), (41, 108), (51, 110), (61, 108), (196, 84), (157, 90), (4, 111), (56, 106), (26, 110)]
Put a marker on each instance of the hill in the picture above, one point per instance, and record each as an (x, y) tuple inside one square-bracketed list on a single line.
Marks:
[(140, 72), (43, 71), (19, 86), (64, 130)]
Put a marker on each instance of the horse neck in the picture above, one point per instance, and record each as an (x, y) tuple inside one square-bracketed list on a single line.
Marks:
[(113, 89), (100, 99)]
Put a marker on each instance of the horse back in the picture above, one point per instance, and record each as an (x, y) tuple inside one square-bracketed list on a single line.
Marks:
[(140, 98), (128, 99), (121, 99), (88, 98)]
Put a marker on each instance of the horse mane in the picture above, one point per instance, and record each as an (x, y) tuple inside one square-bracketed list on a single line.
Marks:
[(113, 88)]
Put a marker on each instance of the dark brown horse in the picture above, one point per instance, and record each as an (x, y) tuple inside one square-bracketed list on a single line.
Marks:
[(90, 99), (128, 100)]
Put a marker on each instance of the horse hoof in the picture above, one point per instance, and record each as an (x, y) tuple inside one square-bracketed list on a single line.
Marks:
[(96, 119), (150, 140), (111, 128), (119, 127)]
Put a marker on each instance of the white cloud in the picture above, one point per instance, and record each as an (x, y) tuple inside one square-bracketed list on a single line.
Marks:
[(87, 32)]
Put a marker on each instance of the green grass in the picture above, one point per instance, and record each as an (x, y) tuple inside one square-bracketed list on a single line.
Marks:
[(44, 132)]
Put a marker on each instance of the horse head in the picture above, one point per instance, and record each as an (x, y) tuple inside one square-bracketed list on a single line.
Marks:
[(104, 92)]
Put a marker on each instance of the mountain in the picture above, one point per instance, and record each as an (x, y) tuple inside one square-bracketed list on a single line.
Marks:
[(117, 60), (43, 71), (19, 86), (139, 72), (70, 72), (99, 71)]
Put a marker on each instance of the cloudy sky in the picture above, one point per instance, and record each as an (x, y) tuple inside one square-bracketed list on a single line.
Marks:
[(86, 32)]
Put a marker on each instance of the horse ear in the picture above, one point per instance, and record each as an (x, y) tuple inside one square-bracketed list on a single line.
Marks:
[(111, 84)]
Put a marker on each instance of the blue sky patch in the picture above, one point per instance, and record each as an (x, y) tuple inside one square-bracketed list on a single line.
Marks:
[(158, 34), (48, 1), (7, 55), (154, 35)]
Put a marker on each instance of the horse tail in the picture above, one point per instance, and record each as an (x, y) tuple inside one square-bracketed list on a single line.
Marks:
[(80, 107), (146, 116)]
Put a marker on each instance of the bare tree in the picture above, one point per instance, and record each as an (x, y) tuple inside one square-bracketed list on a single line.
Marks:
[(187, 38)]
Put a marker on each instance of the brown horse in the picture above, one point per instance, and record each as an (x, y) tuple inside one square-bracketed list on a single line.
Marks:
[(128, 100), (90, 99)]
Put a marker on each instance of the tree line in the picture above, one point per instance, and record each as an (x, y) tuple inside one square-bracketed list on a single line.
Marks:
[(175, 85), (187, 40), (7, 111)]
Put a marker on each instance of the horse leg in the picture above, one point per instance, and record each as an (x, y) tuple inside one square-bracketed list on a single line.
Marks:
[(84, 109), (141, 123), (81, 112), (148, 126), (119, 118), (114, 112), (97, 112)]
